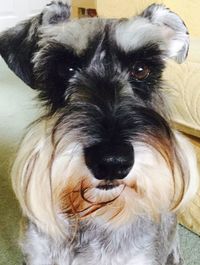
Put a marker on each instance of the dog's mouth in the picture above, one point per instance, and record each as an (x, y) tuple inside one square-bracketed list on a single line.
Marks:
[(108, 185)]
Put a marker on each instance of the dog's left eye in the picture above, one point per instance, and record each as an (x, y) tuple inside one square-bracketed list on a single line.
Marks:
[(139, 71)]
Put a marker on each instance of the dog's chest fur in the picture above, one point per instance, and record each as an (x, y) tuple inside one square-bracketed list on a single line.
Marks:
[(137, 244)]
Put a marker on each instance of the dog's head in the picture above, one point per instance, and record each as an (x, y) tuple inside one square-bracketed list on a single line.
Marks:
[(105, 147)]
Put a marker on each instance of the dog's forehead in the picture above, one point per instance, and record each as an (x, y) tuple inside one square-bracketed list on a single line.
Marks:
[(128, 34), (75, 34)]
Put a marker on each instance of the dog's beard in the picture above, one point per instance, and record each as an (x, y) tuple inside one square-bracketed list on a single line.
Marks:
[(147, 189), (55, 187)]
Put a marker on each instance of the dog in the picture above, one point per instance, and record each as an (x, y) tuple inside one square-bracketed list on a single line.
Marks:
[(101, 175)]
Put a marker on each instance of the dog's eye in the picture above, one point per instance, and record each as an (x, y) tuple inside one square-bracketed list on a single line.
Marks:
[(140, 71), (70, 70), (65, 72)]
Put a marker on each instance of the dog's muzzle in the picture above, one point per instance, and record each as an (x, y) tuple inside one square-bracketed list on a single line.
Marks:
[(108, 161)]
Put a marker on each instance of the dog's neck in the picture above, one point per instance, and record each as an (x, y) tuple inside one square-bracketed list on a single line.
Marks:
[(94, 243), (113, 239)]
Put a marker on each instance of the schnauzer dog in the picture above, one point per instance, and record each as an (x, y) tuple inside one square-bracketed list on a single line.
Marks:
[(101, 175)]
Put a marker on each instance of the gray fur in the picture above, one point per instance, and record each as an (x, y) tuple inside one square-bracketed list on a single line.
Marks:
[(141, 243)]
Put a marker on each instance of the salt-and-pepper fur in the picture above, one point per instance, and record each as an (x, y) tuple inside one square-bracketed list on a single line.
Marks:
[(101, 83), (140, 243)]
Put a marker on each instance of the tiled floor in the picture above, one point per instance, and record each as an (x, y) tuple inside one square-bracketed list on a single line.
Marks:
[(190, 244)]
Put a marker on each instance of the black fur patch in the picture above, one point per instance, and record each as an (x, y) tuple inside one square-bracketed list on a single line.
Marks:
[(54, 69), (97, 108)]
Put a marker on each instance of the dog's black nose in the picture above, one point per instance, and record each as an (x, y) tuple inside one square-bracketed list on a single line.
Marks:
[(109, 162)]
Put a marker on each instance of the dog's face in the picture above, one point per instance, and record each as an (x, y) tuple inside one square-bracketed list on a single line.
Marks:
[(105, 148)]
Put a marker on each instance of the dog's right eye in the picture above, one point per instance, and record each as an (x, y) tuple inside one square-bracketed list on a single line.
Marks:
[(66, 71), (71, 70)]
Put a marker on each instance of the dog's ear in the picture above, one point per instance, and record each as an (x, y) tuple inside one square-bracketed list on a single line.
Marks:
[(19, 44), (173, 29)]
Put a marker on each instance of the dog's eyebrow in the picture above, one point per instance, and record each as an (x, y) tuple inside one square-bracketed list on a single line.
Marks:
[(137, 33), (148, 52)]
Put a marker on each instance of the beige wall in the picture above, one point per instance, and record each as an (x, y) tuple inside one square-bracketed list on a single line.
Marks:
[(187, 9)]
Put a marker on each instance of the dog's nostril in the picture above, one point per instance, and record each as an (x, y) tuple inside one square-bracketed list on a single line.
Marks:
[(108, 161)]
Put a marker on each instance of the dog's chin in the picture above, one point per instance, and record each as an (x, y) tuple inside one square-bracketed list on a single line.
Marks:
[(107, 185), (117, 204), (105, 192)]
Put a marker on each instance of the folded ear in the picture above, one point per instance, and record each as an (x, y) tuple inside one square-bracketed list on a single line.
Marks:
[(173, 29), (19, 44)]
